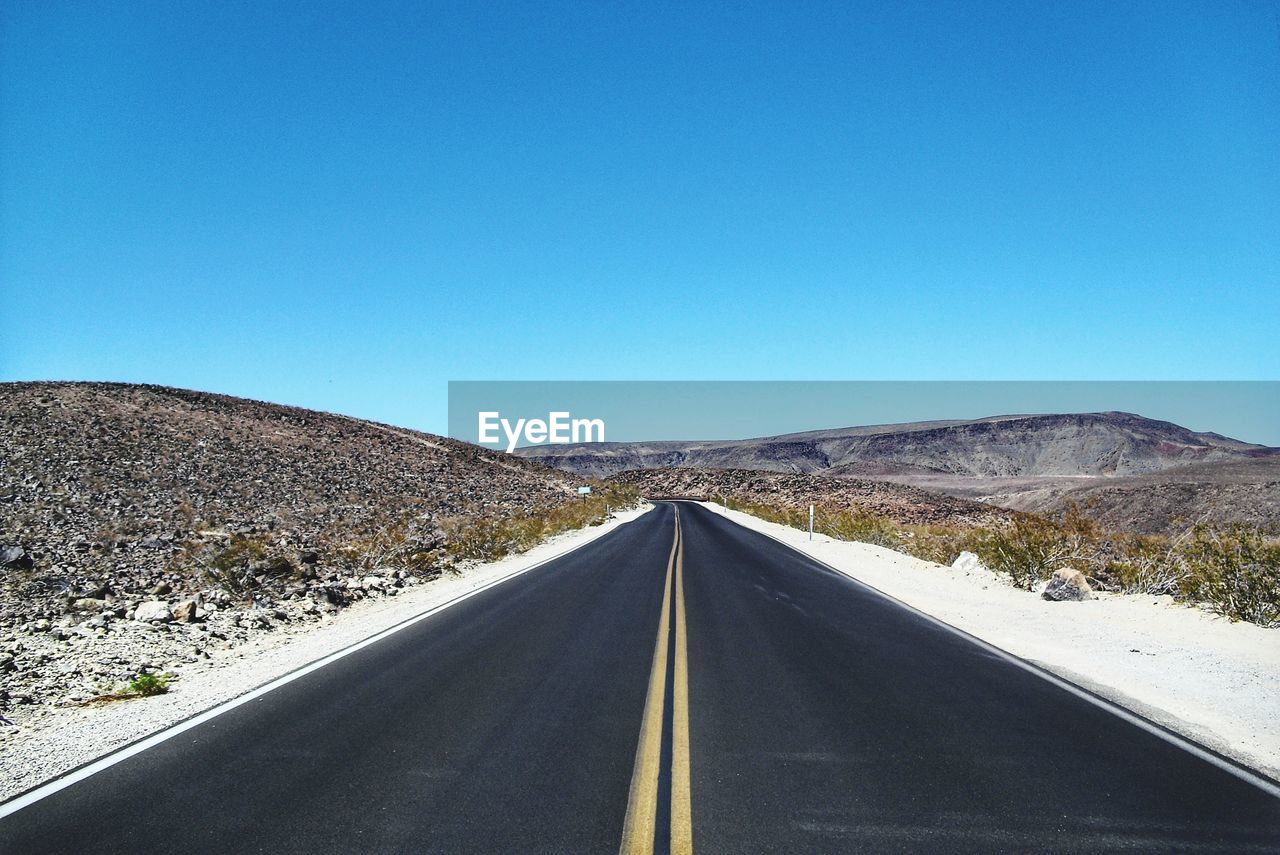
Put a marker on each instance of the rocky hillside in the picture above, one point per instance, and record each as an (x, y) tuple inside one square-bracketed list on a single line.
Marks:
[(1222, 493), (200, 517), (900, 503), (1077, 445)]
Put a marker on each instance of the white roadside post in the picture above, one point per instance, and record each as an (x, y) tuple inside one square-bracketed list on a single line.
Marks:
[(811, 522)]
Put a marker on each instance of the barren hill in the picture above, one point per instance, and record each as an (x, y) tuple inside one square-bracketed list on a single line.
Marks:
[(117, 498), (97, 475)]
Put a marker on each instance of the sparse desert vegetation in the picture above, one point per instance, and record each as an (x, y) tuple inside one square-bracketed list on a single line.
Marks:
[(899, 503), (1232, 570), (489, 540)]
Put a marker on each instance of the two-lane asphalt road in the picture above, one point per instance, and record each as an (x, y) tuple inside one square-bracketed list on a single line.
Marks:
[(679, 684)]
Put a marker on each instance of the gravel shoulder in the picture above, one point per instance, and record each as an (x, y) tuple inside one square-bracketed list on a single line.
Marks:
[(54, 741), (1198, 674)]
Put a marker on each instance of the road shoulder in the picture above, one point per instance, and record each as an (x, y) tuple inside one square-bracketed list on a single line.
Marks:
[(1213, 681)]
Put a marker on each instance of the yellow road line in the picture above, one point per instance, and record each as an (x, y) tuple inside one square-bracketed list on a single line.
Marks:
[(681, 810), (642, 805)]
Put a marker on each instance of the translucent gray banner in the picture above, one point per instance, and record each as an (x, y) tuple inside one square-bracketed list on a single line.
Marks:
[(519, 413)]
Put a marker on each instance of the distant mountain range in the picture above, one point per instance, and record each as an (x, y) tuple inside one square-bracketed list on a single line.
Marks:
[(1038, 446), (1119, 462)]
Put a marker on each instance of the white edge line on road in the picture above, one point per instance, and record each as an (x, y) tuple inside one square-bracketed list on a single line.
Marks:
[(1245, 774), (45, 790)]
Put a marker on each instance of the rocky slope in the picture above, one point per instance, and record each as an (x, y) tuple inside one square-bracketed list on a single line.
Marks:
[(1221, 493), (1084, 444), (902, 504), (142, 526)]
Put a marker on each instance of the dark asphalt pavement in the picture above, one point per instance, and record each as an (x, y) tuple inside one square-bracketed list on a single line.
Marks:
[(822, 718)]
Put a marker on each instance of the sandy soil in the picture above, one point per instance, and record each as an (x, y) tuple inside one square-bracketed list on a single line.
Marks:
[(70, 737), (1211, 680)]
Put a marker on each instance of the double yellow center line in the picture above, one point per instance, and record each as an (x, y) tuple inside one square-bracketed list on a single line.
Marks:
[(639, 829)]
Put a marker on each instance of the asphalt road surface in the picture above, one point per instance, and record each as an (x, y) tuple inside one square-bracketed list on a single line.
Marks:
[(672, 686)]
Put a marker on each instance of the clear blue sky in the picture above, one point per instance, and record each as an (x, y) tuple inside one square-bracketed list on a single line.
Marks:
[(346, 205)]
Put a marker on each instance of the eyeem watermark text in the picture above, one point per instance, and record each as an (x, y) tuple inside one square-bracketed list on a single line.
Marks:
[(558, 428)]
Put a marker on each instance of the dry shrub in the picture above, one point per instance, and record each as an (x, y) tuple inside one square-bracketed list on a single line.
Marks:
[(1143, 564), (237, 565), (414, 544), (841, 525), (488, 539), (862, 527), (1031, 548), (1236, 571), (936, 543)]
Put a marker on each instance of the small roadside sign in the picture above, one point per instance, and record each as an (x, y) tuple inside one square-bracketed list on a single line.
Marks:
[(582, 491)]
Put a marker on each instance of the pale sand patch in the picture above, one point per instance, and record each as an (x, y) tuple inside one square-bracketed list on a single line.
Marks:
[(67, 738), (1198, 674)]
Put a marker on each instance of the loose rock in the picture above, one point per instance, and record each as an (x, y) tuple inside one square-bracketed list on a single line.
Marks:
[(153, 611), (969, 563), (1068, 584), (185, 611), (17, 557)]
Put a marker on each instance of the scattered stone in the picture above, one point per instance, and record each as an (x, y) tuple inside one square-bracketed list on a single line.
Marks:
[(16, 557), (969, 563), (1067, 584), (153, 611), (160, 589), (254, 619), (185, 611), (96, 591)]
